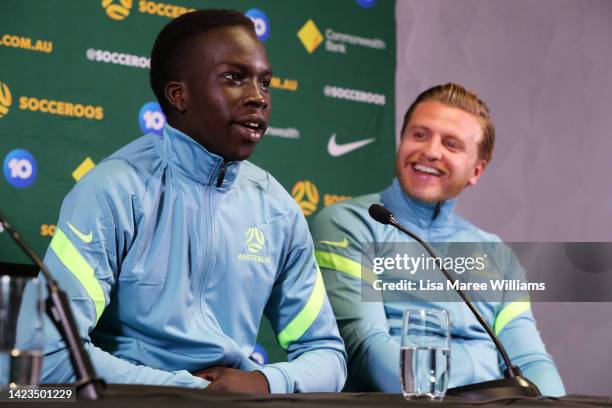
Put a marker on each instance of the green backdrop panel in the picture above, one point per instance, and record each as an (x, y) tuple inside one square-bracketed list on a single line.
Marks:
[(74, 85)]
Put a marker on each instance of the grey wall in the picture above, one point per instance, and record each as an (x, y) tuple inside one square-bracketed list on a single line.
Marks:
[(545, 69)]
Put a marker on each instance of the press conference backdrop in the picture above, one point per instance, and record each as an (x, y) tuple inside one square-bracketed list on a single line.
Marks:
[(543, 66), (74, 88)]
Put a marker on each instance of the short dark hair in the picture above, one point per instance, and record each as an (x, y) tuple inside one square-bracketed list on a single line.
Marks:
[(174, 41), (456, 96)]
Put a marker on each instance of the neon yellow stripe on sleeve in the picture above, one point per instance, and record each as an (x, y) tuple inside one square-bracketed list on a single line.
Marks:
[(330, 260), (306, 316), (78, 266), (340, 263), (510, 312)]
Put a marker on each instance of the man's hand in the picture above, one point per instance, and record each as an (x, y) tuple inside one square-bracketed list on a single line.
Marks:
[(232, 380)]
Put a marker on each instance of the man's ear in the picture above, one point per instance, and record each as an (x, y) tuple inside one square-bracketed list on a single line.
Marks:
[(176, 93), (478, 170)]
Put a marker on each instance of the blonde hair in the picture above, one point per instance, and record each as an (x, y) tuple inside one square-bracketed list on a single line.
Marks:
[(457, 96)]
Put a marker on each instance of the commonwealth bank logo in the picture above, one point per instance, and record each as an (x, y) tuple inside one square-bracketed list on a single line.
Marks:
[(83, 168), (254, 240), (305, 193), (117, 9), (6, 99), (310, 36)]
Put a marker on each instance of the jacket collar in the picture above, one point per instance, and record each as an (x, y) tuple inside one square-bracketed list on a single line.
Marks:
[(198, 163), (411, 211)]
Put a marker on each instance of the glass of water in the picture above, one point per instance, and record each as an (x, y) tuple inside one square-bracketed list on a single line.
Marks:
[(425, 354), (21, 335)]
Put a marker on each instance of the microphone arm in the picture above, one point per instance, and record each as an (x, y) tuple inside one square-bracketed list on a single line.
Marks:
[(88, 385), (516, 382), (511, 372)]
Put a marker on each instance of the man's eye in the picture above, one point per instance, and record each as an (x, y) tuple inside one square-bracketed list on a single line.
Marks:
[(452, 144), (419, 135), (265, 84), (233, 76)]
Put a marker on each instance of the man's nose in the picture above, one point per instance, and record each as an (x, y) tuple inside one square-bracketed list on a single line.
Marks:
[(432, 149), (256, 96)]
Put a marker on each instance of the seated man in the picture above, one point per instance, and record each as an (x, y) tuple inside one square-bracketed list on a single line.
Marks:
[(173, 248), (447, 141)]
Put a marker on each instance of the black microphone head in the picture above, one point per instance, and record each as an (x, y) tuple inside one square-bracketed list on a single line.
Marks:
[(380, 213)]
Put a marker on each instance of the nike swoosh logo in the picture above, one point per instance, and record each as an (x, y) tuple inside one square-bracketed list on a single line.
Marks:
[(340, 244), (85, 238), (335, 150)]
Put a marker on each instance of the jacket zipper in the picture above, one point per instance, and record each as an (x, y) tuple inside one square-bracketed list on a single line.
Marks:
[(208, 224), (437, 210), (205, 264), (221, 174)]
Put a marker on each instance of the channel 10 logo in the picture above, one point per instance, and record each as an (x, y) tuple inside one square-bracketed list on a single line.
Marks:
[(20, 168), (260, 355), (366, 3), (151, 118), (261, 22)]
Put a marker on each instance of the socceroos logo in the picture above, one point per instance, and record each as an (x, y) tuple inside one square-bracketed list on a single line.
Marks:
[(117, 9), (305, 193), (6, 99), (120, 9), (254, 242)]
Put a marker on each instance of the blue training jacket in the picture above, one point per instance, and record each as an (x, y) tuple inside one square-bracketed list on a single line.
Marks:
[(170, 257), (372, 330)]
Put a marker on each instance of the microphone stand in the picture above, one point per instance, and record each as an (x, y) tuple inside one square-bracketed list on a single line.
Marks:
[(514, 384), (88, 385)]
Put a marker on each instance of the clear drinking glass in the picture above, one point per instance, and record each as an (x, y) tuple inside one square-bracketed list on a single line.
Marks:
[(21, 335), (425, 354)]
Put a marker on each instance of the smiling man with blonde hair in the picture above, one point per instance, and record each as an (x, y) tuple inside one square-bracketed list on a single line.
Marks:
[(447, 141)]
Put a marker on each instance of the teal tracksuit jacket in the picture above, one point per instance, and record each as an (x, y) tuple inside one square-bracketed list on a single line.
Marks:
[(372, 330), (170, 257)]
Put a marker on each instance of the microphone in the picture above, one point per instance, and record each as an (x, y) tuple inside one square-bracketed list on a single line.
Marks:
[(88, 385), (380, 214), (514, 384)]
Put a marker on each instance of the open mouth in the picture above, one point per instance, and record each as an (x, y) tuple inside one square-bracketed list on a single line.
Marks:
[(252, 128), (251, 125), (422, 168)]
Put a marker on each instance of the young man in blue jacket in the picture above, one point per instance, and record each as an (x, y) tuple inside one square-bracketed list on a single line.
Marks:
[(447, 141), (173, 248)]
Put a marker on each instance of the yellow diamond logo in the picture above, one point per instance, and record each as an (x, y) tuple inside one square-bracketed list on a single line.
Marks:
[(83, 169), (310, 36)]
